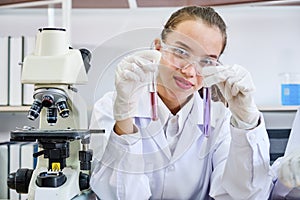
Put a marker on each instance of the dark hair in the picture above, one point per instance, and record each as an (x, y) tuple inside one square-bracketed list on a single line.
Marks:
[(206, 14)]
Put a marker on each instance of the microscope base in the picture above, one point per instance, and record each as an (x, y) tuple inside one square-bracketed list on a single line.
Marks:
[(66, 191)]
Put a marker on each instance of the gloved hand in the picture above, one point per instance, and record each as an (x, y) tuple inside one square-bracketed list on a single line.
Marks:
[(236, 85), (132, 76), (289, 170)]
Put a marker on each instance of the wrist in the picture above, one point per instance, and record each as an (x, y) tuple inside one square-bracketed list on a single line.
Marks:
[(237, 123), (125, 126)]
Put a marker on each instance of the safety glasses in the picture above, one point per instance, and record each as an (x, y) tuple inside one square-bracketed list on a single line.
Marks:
[(182, 59)]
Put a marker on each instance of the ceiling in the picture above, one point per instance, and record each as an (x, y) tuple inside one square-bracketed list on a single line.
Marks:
[(159, 3)]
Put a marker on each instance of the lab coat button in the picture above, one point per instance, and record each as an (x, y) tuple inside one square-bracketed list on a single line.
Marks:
[(171, 168), (173, 120), (252, 138)]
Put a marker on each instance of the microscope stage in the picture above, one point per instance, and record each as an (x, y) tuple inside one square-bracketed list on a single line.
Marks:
[(57, 135)]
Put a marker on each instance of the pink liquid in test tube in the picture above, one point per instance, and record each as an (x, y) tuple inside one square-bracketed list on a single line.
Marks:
[(153, 97)]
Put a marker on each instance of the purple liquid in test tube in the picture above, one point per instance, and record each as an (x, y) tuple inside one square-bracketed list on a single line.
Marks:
[(206, 111)]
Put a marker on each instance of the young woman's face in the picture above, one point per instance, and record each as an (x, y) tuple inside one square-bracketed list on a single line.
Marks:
[(198, 39)]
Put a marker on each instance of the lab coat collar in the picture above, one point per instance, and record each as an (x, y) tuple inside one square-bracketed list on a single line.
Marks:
[(165, 114), (197, 111), (193, 107), (191, 114), (194, 126)]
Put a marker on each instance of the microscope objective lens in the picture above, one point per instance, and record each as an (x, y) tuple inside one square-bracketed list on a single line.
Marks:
[(63, 109), (35, 110), (52, 116)]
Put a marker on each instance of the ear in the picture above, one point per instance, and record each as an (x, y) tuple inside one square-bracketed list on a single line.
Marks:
[(157, 44)]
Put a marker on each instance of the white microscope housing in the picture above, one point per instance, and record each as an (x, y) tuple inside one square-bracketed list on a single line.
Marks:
[(54, 68)]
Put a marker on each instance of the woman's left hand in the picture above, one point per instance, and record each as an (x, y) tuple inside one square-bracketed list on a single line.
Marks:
[(236, 85)]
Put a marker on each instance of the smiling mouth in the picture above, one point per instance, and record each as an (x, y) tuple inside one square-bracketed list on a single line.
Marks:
[(182, 83)]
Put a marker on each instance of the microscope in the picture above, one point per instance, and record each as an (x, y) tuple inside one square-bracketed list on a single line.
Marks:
[(64, 157)]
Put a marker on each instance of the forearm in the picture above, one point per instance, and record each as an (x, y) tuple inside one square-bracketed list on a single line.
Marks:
[(248, 155)]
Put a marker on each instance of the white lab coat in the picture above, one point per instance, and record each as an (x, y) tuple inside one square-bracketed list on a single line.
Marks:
[(229, 164)]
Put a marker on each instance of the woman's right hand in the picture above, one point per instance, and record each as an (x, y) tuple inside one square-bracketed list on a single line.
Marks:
[(132, 77), (289, 170)]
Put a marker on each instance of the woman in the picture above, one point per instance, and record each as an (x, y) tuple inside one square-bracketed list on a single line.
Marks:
[(174, 157)]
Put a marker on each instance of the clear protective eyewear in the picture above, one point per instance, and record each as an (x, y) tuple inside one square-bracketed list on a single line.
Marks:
[(182, 59)]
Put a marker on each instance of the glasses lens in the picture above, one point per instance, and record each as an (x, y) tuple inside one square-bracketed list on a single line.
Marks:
[(205, 62), (176, 56)]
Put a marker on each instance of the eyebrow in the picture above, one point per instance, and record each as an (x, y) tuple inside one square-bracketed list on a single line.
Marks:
[(183, 45), (188, 48), (213, 56)]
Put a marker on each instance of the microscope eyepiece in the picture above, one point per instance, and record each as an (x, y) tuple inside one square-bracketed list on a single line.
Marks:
[(35, 109), (62, 108), (47, 100)]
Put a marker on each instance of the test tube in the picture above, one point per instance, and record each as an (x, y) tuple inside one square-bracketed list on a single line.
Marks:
[(153, 97), (206, 110)]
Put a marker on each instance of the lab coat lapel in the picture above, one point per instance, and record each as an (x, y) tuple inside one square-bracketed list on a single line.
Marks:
[(188, 136), (153, 129), (191, 130)]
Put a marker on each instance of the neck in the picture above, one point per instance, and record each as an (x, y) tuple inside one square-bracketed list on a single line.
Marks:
[(174, 104)]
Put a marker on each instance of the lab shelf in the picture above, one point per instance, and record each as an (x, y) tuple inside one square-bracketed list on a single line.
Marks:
[(14, 108), (278, 108)]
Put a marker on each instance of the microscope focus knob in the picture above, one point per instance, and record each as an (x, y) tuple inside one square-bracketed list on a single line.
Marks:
[(20, 180), (84, 181), (85, 158)]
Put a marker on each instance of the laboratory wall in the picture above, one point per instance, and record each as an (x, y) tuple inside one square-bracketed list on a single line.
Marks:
[(264, 39)]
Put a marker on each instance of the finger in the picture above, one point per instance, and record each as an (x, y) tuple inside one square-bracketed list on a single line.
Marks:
[(129, 71), (295, 169), (129, 76), (221, 87), (145, 57), (138, 71), (146, 65), (214, 75), (242, 84), (208, 71), (225, 89), (151, 55), (285, 175), (233, 83)]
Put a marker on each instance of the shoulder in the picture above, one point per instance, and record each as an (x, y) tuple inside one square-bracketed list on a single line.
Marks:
[(105, 102), (102, 112)]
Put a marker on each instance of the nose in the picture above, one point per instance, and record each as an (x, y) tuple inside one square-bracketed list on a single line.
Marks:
[(189, 70)]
